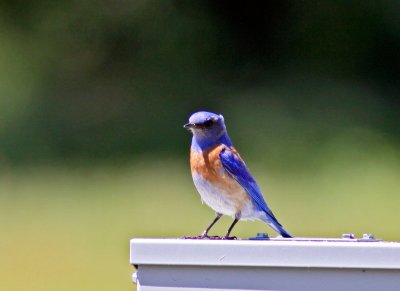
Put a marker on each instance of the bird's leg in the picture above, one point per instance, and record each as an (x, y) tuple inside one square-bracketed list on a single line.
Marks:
[(204, 234), (226, 236)]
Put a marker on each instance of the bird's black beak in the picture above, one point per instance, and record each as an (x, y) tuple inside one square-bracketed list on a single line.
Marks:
[(189, 126)]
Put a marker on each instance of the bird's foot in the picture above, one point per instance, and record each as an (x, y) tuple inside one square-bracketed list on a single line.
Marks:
[(190, 237), (213, 237), (229, 237)]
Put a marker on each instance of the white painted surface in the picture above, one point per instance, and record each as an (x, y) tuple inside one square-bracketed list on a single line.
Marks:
[(289, 264)]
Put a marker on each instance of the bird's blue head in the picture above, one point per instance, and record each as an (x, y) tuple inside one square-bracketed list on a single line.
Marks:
[(208, 130)]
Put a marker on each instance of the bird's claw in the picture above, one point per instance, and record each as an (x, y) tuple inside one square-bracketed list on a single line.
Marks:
[(229, 238), (213, 237)]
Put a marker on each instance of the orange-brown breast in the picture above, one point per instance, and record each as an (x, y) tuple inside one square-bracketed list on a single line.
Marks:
[(208, 165)]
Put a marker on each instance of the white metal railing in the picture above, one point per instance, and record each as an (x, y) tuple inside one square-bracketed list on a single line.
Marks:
[(272, 264)]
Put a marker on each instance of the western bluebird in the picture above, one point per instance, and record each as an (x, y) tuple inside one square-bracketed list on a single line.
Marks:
[(221, 176)]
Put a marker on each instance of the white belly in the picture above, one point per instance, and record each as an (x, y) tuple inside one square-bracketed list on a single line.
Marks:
[(220, 201)]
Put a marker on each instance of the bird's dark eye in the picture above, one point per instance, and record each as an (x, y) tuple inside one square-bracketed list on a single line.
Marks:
[(208, 123)]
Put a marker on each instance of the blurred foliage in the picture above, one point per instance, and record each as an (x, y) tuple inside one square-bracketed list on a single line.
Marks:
[(93, 96), (102, 79)]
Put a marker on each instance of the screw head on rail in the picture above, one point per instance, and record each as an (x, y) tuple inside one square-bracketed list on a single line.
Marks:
[(134, 277), (260, 236), (348, 236), (368, 236)]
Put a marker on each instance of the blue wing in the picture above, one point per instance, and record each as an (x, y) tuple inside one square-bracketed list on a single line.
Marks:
[(238, 170)]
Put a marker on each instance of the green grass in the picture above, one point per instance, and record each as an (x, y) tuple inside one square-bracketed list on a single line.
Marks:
[(66, 228)]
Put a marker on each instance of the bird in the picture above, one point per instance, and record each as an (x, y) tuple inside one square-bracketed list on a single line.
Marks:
[(222, 178)]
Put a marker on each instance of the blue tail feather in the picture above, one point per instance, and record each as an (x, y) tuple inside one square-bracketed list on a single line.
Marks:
[(284, 233), (274, 224)]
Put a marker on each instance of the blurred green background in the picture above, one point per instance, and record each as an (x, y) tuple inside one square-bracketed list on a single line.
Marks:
[(93, 96)]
